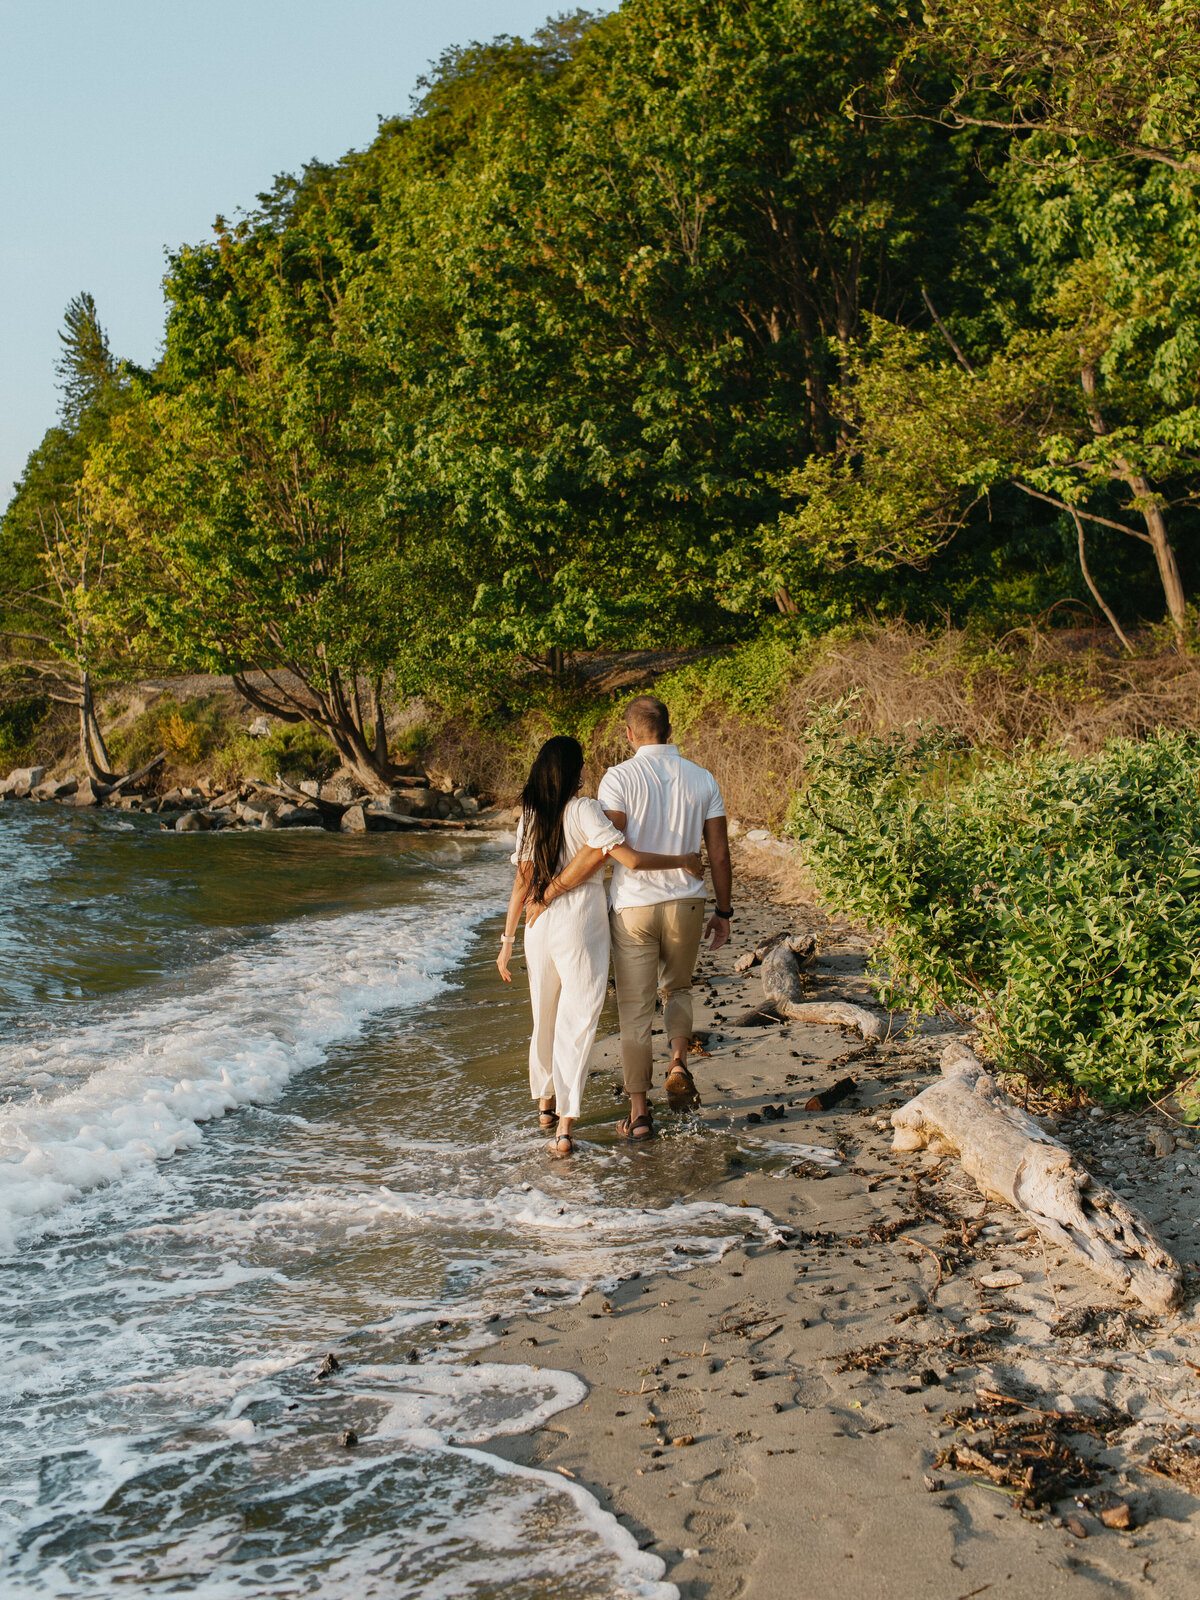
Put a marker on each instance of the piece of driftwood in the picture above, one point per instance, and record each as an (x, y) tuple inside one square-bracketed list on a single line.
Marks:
[(785, 992), (1013, 1159), (825, 1099), (751, 958), (133, 778)]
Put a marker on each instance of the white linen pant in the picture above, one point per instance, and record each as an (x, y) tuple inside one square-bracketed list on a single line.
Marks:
[(566, 952)]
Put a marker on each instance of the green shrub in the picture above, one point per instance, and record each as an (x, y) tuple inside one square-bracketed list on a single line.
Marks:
[(189, 731), (20, 721), (292, 750), (1055, 899), (749, 680)]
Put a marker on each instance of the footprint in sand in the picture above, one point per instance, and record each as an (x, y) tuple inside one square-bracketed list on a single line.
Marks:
[(726, 1484)]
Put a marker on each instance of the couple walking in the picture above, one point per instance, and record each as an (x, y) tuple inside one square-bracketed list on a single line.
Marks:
[(652, 813)]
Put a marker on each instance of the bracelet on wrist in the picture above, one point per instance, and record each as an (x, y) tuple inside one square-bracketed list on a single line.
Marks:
[(724, 915), (506, 938)]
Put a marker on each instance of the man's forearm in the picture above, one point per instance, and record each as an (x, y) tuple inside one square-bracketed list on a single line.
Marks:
[(722, 879)]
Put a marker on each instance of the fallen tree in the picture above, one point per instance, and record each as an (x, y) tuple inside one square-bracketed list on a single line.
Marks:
[(1014, 1160), (784, 989)]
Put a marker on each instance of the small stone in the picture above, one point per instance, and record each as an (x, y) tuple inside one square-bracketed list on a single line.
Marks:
[(1117, 1516), (753, 1116), (1162, 1142), (683, 1439), (349, 1439), (934, 1484), (330, 1365), (1097, 1112), (1073, 1525)]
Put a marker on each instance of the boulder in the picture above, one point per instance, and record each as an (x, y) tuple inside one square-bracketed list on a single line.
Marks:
[(397, 805), (54, 789), (469, 804), (255, 811), (311, 787), (354, 820), (298, 817), (89, 793), (22, 780), (191, 822)]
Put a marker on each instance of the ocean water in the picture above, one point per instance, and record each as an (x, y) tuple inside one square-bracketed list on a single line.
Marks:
[(263, 1097)]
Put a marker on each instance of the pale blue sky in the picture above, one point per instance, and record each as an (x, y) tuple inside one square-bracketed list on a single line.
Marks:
[(127, 125)]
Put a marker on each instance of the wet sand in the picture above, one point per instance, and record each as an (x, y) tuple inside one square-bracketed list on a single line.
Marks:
[(738, 1421)]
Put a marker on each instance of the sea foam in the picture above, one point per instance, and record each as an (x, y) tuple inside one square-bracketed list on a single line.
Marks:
[(142, 1083)]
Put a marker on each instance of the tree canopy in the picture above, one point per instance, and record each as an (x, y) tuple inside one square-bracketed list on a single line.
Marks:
[(666, 326)]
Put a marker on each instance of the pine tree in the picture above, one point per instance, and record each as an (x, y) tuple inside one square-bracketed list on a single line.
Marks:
[(86, 366)]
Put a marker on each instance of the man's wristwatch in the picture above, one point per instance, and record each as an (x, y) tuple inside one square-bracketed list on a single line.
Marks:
[(724, 915)]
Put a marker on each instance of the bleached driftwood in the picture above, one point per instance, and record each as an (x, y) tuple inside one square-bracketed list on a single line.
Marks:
[(785, 992), (1013, 1159)]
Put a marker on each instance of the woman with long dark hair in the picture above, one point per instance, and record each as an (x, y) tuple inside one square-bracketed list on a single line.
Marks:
[(566, 935)]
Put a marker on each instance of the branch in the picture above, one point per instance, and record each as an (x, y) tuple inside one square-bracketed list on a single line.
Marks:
[(1087, 516), (946, 334)]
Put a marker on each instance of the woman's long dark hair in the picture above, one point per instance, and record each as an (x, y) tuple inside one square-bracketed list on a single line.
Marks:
[(553, 780)]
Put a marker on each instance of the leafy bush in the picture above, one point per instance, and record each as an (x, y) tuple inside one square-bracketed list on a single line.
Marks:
[(189, 731), (20, 720), (1055, 899), (292, 751)]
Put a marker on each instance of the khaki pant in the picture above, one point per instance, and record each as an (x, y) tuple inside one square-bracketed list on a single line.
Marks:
[(654, 948)]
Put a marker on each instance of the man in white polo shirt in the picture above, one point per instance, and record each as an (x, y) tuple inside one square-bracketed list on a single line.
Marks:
[(666, 804)]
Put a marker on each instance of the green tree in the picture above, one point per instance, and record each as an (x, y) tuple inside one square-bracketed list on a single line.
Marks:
[(245, 481), (626, 307), (86, 366), (1104, 77)]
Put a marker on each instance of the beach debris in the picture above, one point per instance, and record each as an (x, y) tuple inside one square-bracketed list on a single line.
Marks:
[(1014, 1160), (825, 1099), (752, 958), (1116, 1515), (1000, 1280), (774, 1113), (683, 1439), (1180, 1461), (1074, 1526), (349, 1439), (1028, 1455), (328, 1367), (753, 1116), (785, 992)]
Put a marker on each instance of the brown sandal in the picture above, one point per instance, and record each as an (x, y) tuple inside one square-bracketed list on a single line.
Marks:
[(547, 1115), (556, 1149), (628, 1130), (681, 1086)]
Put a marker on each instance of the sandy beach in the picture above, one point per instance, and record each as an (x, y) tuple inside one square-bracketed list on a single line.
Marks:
[(830, 1408)]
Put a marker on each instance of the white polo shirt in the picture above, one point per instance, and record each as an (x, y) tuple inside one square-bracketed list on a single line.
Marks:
[(666, 801)]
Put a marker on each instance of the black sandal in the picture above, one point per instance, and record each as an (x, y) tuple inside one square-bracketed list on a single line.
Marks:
[(547, 1115), (628, 1130)]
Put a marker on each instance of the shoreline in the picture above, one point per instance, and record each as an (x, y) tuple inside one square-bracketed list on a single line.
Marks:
[(776, 1423)]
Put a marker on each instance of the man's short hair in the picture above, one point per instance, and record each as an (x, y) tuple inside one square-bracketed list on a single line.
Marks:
[(648, 718)]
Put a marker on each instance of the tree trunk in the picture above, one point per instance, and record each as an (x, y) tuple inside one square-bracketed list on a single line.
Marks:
[(92, 749), (332, 714), (381, 739), (1014, 1160), (1151, 511)]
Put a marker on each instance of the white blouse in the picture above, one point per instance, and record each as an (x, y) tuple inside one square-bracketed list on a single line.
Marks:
[(584, 823)]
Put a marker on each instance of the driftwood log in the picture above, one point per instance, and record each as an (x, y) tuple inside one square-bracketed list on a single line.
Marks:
[(1013, 1159), (784, 990)]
